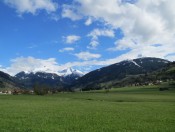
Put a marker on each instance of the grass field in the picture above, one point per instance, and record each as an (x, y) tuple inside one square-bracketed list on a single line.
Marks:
[(144, 109)]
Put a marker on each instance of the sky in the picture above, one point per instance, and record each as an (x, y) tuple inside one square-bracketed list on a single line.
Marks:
[(52, 35)]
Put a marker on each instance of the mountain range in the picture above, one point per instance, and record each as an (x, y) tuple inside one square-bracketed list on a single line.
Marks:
[(126, 72), (65, 77)]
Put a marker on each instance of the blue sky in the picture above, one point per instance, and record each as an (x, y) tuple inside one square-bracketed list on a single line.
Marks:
[(51, 35)]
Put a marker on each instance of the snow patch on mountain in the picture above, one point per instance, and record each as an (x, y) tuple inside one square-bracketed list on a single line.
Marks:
[(132, 61), (135, 63)]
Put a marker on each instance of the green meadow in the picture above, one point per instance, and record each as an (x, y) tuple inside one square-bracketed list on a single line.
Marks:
[(132, 109)]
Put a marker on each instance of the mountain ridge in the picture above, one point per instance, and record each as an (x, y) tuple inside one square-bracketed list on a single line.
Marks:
[(118, 71)]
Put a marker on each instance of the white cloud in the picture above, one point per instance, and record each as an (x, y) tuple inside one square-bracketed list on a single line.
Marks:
[(96, 33), (69, 12), (32, 6), (93, 44), (66, 49), (143, 23), (88, 22), (101, 32), (87, 56), (72, 39)]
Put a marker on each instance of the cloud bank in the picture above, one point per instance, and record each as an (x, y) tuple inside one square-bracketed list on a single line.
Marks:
[(31, 64), (143, 24)]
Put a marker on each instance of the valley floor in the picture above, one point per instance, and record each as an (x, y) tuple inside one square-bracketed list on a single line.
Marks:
[(119, 110)]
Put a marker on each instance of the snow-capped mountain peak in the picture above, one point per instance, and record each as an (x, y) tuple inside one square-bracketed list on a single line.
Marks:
[(66, 72), (70, 71)]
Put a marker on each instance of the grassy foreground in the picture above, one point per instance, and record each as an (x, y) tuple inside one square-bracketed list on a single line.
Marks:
[(120, 110)]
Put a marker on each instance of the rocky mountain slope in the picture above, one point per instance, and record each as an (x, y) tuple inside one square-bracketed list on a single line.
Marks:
[(8, 82)]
